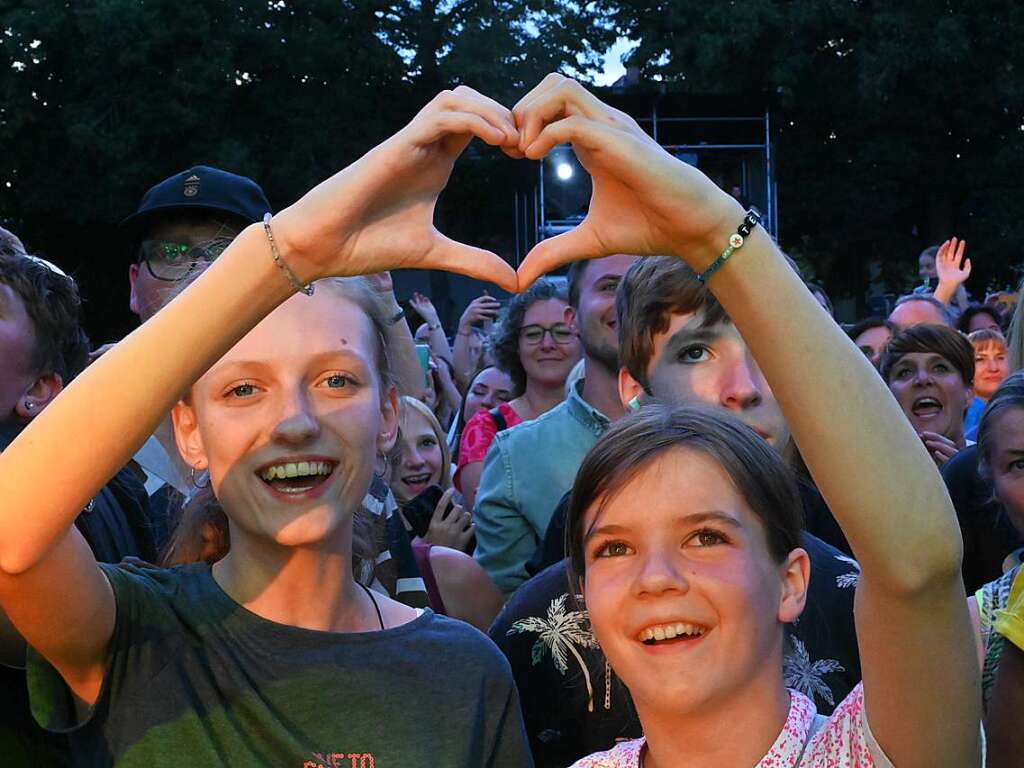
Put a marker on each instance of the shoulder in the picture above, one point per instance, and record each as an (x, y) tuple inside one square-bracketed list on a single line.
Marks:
[(448, 639), (534, 429), (625, 754), (541, 595), (846, 738), (456, 570)]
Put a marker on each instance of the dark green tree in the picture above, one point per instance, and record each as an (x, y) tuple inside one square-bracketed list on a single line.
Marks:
[(898, 124)]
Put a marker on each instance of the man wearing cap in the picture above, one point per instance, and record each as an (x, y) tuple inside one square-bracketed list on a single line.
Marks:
[(182, 224)]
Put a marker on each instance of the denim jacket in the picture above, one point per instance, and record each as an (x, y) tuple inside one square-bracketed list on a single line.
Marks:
[(527, 471)]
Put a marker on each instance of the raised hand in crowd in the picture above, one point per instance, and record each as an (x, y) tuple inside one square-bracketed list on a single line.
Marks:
[(435, 332), (645, 201), (398, 336), (953, 271), (475, 322)]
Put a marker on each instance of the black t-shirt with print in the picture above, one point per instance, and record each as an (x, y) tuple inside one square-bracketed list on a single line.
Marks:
[(194, 679)]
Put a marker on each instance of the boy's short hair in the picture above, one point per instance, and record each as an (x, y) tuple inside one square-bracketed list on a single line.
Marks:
[(651, 291), (934, 339), (54, 306)]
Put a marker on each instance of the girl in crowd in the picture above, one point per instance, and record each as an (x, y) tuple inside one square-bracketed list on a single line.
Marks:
[(685, 545), (488, 388), (538, 349), (275, 655), (1001, 462), (456, 584), (991, 366)]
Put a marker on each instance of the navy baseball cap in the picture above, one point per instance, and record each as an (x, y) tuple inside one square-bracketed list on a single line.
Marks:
[(203, 188)]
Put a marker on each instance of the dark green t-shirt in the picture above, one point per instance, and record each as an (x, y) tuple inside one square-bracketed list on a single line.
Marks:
[(194, 679)]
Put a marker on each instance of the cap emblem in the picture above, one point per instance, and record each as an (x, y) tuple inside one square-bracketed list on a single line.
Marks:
[(192, 186)]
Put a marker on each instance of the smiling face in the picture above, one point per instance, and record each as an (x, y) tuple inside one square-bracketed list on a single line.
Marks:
[(991, 366), (713, 366), (489, 389), (547, 363), (683, 595), (595, 316), (931, 393), (290, 420), (422, 460)]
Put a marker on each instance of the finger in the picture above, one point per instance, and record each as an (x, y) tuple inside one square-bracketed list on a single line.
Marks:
[(967, 266), (442, 504), (574, 245), (575, 130), (453, 256), (466, 99), (960, 252)]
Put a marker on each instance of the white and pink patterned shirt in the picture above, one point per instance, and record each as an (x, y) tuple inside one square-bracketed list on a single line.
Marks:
[(844, 740)]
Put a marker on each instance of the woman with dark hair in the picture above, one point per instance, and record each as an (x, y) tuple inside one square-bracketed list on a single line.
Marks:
[(871, 335), (276, 654), (538, 348), (979, 317), (489, 387), (683, 527), (1000, 452)]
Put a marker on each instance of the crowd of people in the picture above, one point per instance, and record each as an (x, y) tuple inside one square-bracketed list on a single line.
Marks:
[(661, 510)]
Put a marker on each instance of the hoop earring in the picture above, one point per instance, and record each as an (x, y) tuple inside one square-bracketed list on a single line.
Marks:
[(192, 478), (387, 465)]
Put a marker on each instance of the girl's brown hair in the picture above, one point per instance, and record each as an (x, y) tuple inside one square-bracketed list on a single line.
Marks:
[(638, 440)]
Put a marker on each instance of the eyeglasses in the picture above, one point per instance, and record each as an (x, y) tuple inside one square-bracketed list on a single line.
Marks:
[(172, 262), (534, 334)]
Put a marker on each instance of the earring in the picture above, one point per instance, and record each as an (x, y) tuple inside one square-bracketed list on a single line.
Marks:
[(29, 405), (607, 684), (195, 483), (634, 404)]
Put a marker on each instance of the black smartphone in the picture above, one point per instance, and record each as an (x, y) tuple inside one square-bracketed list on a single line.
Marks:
[(418, 511)]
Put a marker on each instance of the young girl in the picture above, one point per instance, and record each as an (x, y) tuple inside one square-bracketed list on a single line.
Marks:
[(275, 655), (688, 570)]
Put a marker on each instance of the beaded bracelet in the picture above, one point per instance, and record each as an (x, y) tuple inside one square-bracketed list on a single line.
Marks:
[(751, 220), (308, 289)]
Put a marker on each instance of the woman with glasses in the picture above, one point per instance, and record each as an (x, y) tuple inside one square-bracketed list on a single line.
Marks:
[(538, 348)]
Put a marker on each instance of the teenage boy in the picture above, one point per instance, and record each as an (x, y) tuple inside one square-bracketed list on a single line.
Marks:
[(676, 345), (530, 467)]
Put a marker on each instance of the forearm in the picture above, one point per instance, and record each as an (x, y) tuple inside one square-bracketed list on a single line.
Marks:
[(863, 454), (439, 344), (118, 401), (945, 292), (462, 356), (405, 365)]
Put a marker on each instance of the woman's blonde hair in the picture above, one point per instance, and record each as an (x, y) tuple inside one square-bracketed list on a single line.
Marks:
[(405, 404), (201, 532)]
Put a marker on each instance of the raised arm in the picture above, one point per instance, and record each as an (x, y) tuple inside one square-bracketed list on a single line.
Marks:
[(920, 674), (953, 272), (377, 214)]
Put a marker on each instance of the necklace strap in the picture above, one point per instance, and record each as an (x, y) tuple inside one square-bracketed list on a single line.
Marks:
[(369, 594)]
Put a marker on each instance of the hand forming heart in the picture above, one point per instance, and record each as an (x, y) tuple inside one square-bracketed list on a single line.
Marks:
[(377, 214)]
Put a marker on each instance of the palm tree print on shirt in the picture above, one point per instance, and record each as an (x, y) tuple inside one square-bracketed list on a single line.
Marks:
[(559, 634), (801, 674)]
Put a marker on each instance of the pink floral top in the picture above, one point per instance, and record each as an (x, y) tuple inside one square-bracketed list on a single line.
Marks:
[(844, 740)]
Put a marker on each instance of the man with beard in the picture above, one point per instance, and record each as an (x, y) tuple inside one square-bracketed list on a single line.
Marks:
[(531, 466)]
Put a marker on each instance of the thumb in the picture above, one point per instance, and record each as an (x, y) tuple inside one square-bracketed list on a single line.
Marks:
[(548, 255), (453, 256), (967, 266)]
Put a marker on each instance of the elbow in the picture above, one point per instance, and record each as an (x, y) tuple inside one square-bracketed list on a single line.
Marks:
[(928, 568), (16, 559)]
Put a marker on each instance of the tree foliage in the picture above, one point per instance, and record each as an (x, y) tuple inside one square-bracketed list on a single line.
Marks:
[(897, 124)]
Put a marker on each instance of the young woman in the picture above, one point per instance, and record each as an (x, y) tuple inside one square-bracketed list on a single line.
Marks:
[(991, 367), (274, 655), (488, 388), (538, 349), (687, 585), (1000, 452)]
